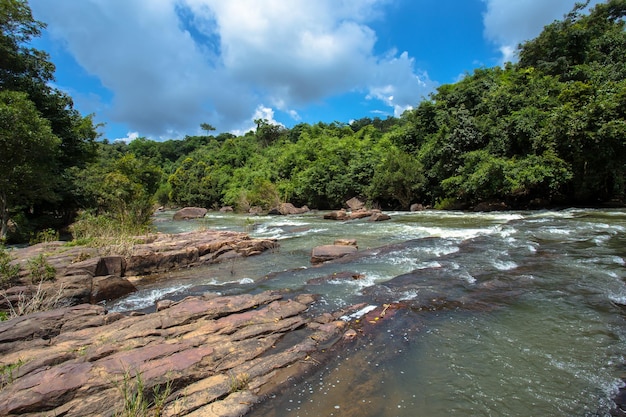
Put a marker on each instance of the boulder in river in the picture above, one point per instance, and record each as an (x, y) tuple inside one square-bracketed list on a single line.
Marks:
[(287, 209), (329, 252), (188, 213)]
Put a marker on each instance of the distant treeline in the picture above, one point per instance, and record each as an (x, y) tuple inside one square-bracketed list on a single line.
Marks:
[(549, 130)]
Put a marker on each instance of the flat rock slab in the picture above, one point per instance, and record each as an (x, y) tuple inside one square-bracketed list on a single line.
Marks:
[(91, 275), (218, 355), (325, 253)]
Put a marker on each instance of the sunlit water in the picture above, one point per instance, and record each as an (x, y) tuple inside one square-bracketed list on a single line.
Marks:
[(505, 314)]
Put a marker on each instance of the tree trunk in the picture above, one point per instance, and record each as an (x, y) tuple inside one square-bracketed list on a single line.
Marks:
[(4, 217)]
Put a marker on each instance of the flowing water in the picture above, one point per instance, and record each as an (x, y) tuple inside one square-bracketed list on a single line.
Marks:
[(502, 314)]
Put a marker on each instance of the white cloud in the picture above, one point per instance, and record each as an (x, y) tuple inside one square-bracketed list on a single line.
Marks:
[(130, 136), (173, 64), (509, 23)]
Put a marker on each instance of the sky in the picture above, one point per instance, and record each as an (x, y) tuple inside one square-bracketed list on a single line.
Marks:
[(160, 68)]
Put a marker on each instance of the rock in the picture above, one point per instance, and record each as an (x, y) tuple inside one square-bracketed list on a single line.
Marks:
[(350, 334), (379, 217), (329, 252), (360, 214), (255, 210), (219, 356), (74, 281), (110, 287), (226, 209), (190, 213), (417, 207), (346, 242), (287, 209), (337, 215), (490, 206), (355, 204)]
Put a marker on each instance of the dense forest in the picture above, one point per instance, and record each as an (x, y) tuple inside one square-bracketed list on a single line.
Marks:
[(549, 130)]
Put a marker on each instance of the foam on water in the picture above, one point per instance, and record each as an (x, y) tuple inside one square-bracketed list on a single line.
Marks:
[(146, 298), (358, 314)]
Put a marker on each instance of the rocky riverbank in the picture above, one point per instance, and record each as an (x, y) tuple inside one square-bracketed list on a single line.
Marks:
[(202, 356), (80, 274)]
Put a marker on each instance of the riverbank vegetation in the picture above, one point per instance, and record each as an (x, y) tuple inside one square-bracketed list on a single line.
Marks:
[(548, 130)]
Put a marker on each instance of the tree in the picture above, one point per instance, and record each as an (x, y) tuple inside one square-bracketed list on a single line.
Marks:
[(29, 70), (28, 154)]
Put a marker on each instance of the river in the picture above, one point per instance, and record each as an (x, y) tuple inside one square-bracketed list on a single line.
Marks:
[(503, 314)]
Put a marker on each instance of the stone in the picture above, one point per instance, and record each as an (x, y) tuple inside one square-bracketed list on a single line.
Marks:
[(379, 217), (325, 253), (346, 242), (355, 204), (110, 287), (219, 355), (417, 207), (226, 209), (287, 209), (190, 213), (337, 215), (490, 206)]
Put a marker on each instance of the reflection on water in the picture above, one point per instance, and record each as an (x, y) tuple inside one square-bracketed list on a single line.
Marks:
[(504, 314)]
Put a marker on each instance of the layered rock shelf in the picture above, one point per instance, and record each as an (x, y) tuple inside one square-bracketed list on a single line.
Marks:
[(203, 356), (89, 275)]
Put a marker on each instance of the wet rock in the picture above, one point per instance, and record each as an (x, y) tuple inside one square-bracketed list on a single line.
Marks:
[(329, 252), (337, 276), (417, 207), (226, 209), (346, 242), (490, 206), (379, 217), (188, 213), (110, 287), (337, 215)]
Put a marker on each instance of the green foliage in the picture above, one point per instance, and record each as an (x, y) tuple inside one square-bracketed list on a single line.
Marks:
[(9, 272), (28, 155), (106, 232), (137, 400), (41, 134), (40, 270), (9, 372), (44, 236)]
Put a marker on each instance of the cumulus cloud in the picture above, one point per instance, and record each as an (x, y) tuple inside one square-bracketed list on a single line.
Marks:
[(509, 23), (172, 64)]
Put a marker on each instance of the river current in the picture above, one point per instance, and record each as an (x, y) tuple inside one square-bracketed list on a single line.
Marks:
[(503, 314)]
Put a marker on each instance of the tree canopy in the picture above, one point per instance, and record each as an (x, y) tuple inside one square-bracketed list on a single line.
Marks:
[(549, 130)]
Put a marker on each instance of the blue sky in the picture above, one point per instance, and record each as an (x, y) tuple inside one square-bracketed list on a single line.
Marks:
[(159, 68)]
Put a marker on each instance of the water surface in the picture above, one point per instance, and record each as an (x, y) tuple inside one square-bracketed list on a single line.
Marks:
[(504, 314)]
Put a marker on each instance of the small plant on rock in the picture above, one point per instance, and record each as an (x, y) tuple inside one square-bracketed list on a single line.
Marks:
[(8, 272), (9, 372), (239, 382), (40, 270)]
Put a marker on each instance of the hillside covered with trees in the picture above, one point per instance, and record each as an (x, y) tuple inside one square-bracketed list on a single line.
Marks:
[(549, 130)]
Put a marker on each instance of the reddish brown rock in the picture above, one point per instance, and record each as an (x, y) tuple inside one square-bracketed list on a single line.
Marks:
[(74, 280), (188, 213), (217, 354), (287, 209), (355, 204), (329, 252)]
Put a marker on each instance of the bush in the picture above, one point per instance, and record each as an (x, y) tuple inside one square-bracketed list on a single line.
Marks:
[(8, 272)]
